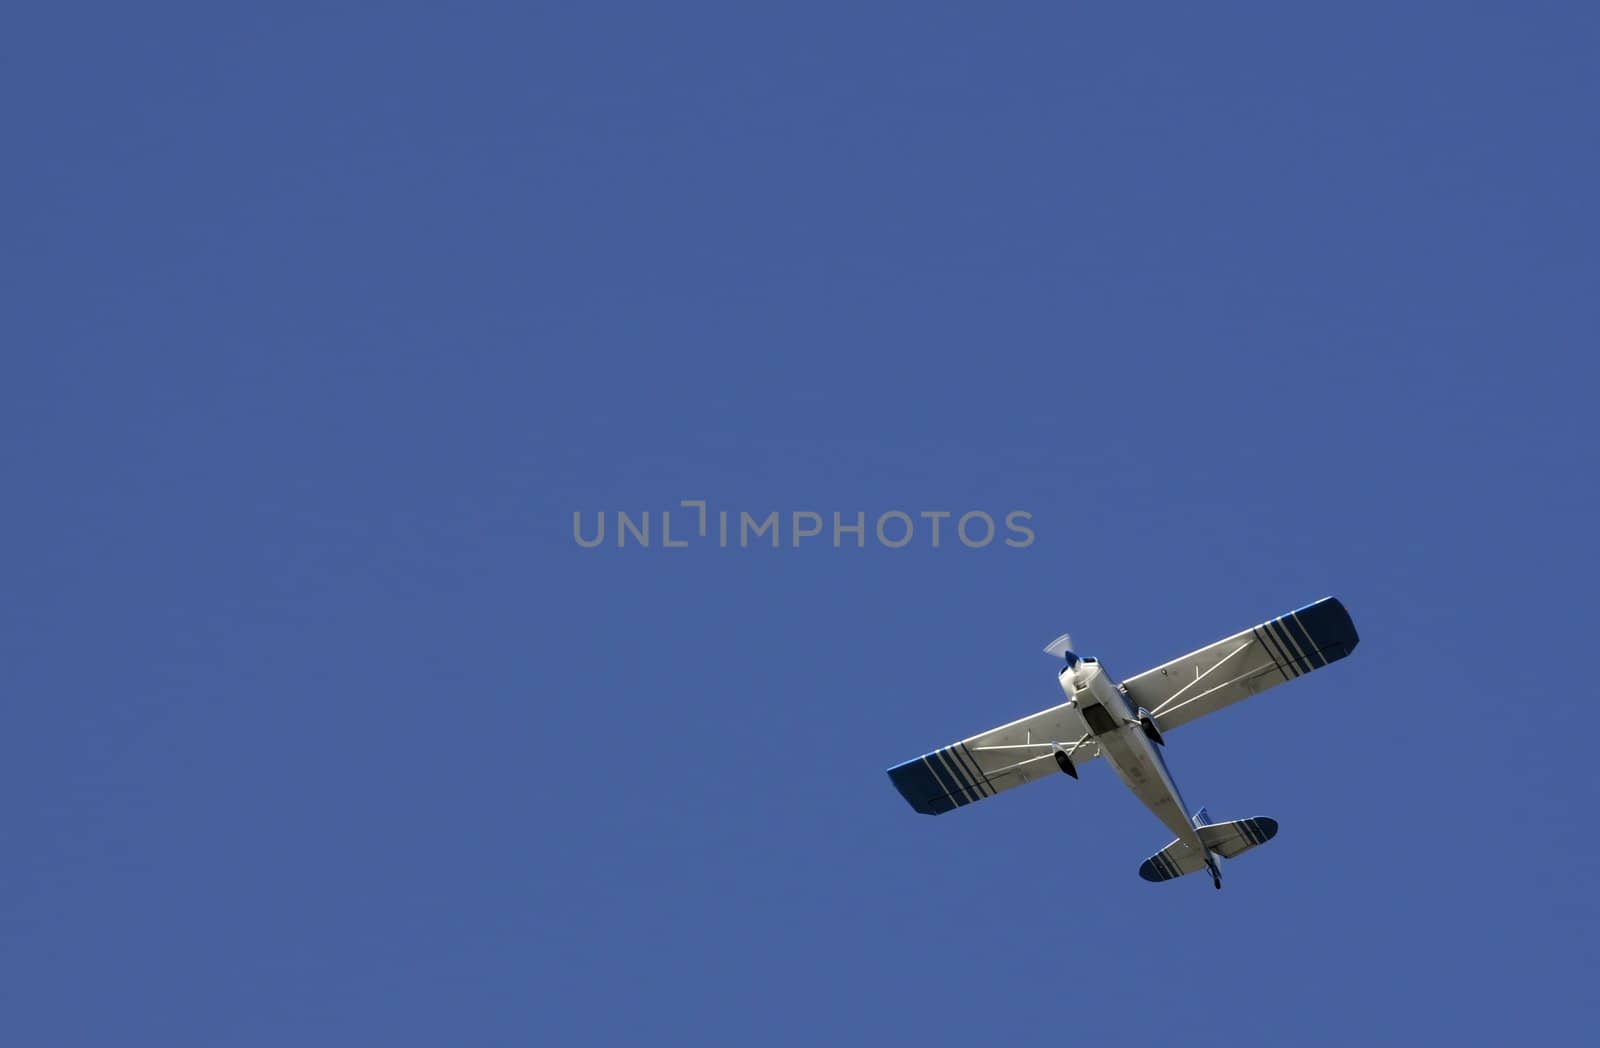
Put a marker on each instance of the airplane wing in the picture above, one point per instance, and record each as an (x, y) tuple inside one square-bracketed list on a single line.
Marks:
[(1177, 692), (1249, 662), (993, 761)]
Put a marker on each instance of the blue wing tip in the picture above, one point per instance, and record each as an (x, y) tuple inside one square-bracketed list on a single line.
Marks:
[(918, 786), (1330, 626)]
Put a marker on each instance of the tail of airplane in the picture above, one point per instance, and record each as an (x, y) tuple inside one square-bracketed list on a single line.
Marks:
[(1227, 839)]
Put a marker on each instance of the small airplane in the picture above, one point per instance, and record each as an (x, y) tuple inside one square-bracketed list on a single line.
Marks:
[(1127, 724)]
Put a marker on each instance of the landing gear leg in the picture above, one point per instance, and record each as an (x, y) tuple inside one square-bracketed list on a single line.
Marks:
[(1216, 875)]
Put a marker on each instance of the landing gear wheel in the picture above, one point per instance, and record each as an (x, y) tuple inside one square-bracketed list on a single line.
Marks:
[(1216, 882)]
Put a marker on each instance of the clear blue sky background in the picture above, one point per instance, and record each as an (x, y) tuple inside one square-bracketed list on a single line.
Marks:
[(318, 727)]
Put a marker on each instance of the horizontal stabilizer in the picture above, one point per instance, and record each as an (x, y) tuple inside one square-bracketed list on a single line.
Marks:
[(1227, 839), (1175, 860)]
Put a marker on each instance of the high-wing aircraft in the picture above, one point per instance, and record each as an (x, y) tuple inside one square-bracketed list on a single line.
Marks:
[(1127, 723)]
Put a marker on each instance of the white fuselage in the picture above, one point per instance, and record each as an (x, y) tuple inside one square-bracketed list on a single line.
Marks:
[(1114, 724)]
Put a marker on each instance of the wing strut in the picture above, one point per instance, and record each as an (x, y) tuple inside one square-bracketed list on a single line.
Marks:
[(1198, 677)]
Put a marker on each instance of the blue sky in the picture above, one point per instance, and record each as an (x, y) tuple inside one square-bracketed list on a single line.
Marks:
[(320, 728)]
